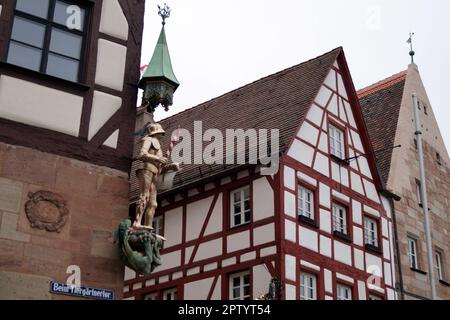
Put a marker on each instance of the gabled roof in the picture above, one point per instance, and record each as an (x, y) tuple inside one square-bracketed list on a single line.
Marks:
[(279, 101), (160, 66), (380, 104)]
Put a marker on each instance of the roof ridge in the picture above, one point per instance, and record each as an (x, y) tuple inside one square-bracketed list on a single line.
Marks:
[(382, 84), (338, 49)]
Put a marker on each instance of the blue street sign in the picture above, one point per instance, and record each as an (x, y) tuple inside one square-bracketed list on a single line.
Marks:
[(83, 292)]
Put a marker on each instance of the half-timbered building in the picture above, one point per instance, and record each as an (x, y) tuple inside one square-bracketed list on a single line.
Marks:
[(322, 225)]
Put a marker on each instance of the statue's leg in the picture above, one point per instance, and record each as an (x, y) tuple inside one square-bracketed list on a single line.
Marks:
[(151, 208), (144, 192)]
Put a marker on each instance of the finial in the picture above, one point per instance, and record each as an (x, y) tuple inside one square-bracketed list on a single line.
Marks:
[(411, 52), (164, 12)]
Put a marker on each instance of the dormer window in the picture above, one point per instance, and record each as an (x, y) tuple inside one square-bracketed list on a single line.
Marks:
[(49, 36)]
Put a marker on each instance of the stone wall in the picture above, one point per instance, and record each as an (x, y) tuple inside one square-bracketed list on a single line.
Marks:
[(402, 181), (97, 200)]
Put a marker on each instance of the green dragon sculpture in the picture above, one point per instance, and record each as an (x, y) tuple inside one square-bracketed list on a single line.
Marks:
[(144, 256)]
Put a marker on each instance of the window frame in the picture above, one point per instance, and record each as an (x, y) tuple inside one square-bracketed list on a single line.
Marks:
[(173, 291), (241, 275), (232, 214), (347, 235), (377, 231), (340, 285), (315, 283), (413, 240), (339, 127), (49, 25), (154, 295), (439, 257), (314, 219)]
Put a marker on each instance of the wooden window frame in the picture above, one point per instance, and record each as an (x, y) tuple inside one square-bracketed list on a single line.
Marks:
[(49, 24), (241, 275)]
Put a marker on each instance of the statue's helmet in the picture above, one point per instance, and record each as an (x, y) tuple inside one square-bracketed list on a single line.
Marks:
[(154, 129)]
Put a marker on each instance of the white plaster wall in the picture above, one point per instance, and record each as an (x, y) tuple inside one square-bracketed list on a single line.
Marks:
[(306, 178), (198, 290), (373, 265), (264, 234), (290, 266), (325, 246), (111, 60), (323, 96), (289, 204), (215, 222), (321, 164), (301, 152), (261, 280), (330, 80), (323, 142), (387, 274), (308, 238), (263, 199), (171, 260), (350, 117), (40, 106), (217, 293), (328, 280), (371, 191), (325, 220), (308, 133), (358, 236), (324, 195), (209, 249), (291, 292), (362, 290), (356, 183), (290, 231), (104, 106), (357, 212), (197, 212), (341, 87), (113, 21), (342, 253), (333, 106), (173, 220), (112, 140), (359, 259), (238, 241), (315, 115), (289, 178)]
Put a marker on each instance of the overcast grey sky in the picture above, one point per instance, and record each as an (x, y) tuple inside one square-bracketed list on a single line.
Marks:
[(219, 45)]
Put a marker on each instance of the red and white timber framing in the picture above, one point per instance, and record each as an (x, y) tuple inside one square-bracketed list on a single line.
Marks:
[(202, 250)]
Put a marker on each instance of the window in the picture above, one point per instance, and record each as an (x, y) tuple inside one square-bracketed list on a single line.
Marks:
[(337, 142), (305, 203), (339, 218), (418, 192), (439, 267), (370, 232), (412, 253), (48, 36), (240, 207), (240, 286), (170, 294), (344, 292), (308, 286), (151, 296), (158, 225), (374, 297)]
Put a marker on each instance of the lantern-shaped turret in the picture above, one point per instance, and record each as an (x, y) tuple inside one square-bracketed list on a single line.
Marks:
[(159, 81)]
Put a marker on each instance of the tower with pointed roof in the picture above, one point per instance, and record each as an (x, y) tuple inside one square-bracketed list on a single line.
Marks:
[(159, 81)]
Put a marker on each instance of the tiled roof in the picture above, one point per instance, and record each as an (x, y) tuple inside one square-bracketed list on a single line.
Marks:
[(380, 104), (279, 101)]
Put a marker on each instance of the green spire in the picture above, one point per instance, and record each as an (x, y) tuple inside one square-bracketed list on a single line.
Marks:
[(160, 66)]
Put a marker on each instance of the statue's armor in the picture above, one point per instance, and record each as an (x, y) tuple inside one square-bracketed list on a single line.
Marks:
[(150, 146)]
